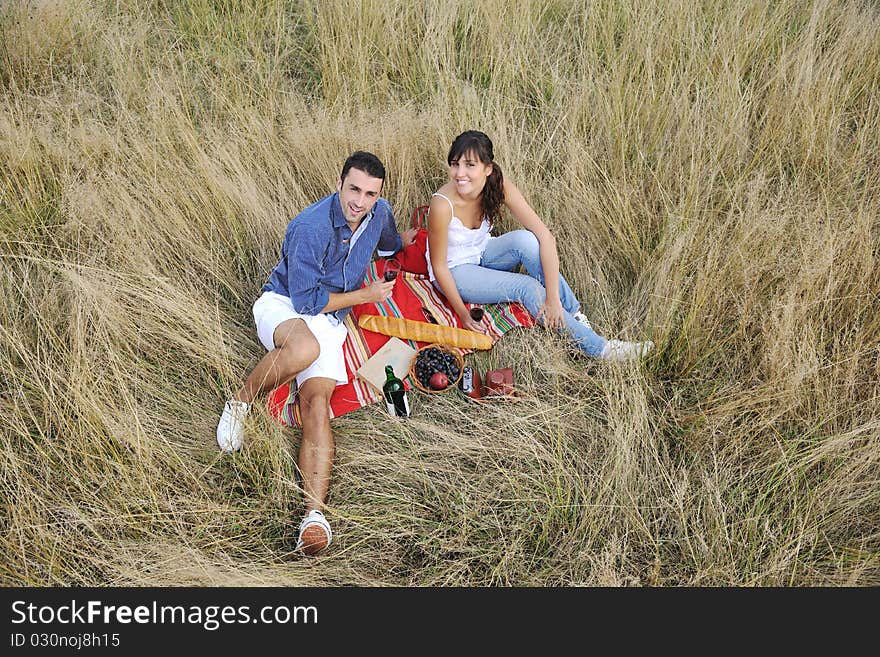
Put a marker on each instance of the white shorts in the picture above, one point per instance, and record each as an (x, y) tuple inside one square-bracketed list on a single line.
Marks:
[(271, 309)]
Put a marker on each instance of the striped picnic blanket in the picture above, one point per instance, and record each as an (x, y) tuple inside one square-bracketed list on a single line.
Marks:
[(413, 295)]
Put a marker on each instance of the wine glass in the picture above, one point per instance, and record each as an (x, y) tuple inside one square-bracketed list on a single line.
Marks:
[(477, 314), (392, 269)]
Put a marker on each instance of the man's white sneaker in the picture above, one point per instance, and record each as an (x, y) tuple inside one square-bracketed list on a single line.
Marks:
[(230, 429), (618, 350), (579, 316), (314, 533)]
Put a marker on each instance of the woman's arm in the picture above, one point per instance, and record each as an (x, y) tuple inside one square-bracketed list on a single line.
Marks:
[(438, 240), (528, 219)]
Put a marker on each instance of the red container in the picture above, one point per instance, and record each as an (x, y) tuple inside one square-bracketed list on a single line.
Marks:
[(470, 383), (499, 382)]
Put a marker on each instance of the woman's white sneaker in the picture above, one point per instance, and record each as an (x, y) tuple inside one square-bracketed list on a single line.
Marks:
[(579, 316), (230, 429), (619, 351)]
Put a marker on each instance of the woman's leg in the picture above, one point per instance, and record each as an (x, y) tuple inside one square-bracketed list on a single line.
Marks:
[(477, 284), (520, 247)]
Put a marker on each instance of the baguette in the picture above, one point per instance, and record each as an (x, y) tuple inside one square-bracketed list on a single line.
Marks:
[(409, 329)]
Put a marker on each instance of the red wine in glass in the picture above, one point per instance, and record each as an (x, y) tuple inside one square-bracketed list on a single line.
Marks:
[(477, 314), (392, 269)]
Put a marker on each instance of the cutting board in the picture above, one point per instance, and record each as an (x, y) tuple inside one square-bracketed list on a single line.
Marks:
[(396, 353)]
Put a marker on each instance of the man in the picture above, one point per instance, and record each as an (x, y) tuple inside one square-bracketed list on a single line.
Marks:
[(299, 319)]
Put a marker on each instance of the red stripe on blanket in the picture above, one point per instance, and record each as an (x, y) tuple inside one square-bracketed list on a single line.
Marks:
[(411, 293)]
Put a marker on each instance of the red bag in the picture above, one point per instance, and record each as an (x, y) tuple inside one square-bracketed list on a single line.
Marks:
[(499, 382), (412, 258)]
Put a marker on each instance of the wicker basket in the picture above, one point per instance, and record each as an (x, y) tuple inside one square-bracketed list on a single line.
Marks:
[(459, 361)]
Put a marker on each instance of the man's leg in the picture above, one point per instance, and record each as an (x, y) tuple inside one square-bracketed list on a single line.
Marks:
[(317, 447), (295, 349), (315, 461)]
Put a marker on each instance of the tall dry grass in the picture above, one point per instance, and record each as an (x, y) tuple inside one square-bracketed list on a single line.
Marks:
[(710, 170)]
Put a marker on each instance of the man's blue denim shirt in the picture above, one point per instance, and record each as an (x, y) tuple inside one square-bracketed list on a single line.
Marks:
[(315, 256)]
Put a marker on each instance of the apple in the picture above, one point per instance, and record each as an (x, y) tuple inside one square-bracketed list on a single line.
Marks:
[(439, 381)]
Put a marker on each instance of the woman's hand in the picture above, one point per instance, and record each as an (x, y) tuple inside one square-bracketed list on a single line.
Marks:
[(470, 324), (553, 314)]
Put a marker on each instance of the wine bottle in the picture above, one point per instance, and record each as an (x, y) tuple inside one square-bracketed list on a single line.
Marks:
[(395, 394)]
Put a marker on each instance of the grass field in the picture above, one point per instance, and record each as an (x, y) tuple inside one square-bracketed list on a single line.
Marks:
[(710, 171)]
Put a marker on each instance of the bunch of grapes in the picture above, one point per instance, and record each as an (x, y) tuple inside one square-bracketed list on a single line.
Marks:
[(432, 360)]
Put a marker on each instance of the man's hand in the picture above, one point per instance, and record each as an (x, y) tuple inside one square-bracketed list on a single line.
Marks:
[(378, 291), (409, 236)]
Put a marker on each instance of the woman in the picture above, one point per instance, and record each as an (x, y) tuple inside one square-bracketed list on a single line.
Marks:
[(468, 265)]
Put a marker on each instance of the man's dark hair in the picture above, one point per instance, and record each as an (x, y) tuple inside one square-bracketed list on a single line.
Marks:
[(366, 162)]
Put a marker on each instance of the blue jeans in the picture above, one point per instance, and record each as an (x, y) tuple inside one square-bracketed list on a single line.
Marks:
[(493, 281)]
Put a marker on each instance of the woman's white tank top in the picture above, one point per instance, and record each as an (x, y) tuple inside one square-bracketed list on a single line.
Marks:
[(465, 245)]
